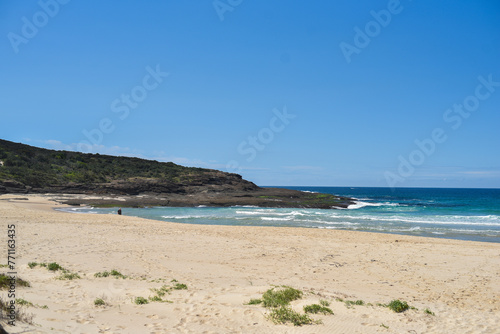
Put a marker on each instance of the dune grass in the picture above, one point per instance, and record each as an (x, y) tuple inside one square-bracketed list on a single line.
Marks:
[(68, 276), (278, 299), (23, 302), (280, 296), (114, 273), (54, 266), (32, 265), (99, 302), (141, 301), (398, 306), (161, 292), (180, 286), (351, 303), (427, 311), (284, 314), (5, 282), (20, 313), (254, 302), (316, 308)]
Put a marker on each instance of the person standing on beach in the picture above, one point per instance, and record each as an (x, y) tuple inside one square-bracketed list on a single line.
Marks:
[(120, 211)]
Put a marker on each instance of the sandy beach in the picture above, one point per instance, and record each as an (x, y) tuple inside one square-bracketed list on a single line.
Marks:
[(224, 267)]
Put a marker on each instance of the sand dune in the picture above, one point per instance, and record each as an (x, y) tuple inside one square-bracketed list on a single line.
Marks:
[(225, 266)]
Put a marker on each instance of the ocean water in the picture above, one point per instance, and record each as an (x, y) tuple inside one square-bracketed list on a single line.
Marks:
[(466, 214)]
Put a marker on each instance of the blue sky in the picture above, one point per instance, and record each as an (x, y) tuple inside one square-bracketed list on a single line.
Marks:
[(326, 93)]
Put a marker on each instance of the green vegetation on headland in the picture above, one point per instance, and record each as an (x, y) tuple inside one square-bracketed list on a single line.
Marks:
[(38, 168), (28, 169)]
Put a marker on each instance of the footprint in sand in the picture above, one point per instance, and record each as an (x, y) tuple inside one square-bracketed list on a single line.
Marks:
[(155, 324), (103, 329), (62, 311), (182, 323)]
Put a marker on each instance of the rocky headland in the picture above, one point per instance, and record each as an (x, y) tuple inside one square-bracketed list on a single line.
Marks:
[(101, 180)]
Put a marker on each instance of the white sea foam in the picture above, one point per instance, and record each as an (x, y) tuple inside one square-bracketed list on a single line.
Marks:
[(250, 212), (297, 213), (437, 220), (344, 223), (184, 217), (277, 218), (362, 204), (469, 231), (86, 209), (378, 216), (358, 205), (440, 220), (269, 212)]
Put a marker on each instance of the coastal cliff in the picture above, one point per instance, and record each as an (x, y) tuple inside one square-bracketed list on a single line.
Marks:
[(127, 181)]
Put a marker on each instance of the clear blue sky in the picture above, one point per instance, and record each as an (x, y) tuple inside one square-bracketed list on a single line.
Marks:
[(323, 93)]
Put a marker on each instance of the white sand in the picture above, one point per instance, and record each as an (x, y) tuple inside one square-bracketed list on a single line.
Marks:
[(225, 266)]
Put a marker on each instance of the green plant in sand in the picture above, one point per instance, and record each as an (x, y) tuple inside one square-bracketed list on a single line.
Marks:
[(141, 301), (427, 311), (278, 299), (254, 302), (19, 312), (99, 302), (23, 302), (114, 273), (165, 289), (316, 308), (180, 286), (54, 266), (284, 314), (280, 296), (66, 275), (350, 303), (398, 306), (5, 282)]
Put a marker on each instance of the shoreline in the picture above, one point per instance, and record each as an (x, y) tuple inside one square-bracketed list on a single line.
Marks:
[(410, 232), (225, 266)]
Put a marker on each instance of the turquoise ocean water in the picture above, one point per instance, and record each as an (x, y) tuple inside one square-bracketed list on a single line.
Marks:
[(467, 214)]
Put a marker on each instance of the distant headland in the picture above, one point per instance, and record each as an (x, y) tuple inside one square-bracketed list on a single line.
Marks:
[(103, 180)]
